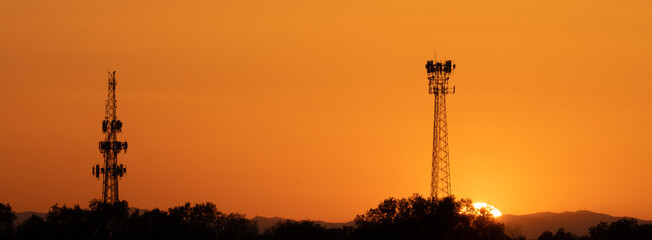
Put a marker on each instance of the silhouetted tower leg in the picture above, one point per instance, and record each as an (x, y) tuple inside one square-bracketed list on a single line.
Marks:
[(438, 76), (112, 171)]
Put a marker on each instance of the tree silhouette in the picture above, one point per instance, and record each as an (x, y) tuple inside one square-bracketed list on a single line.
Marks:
[(34, 228), (561, 234), (292, 230), (108, 219), (420, 218), (204, 221), (514, 232), (624, 228), (68, 223), (546, 235), (237, 226), (154, 224), (113, 221), (7, 218)]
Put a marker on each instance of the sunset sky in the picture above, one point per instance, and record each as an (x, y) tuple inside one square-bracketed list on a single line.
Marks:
[(320, 109)]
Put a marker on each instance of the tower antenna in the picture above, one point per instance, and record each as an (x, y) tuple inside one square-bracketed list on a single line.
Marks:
[(438, 76), (111, 170)]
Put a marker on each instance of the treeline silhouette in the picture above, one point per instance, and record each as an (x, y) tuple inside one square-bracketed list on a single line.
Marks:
[(623, 229), (408, 218)]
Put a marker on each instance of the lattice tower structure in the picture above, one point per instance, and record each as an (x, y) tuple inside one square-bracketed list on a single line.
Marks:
[(438, 75), (110, 147)]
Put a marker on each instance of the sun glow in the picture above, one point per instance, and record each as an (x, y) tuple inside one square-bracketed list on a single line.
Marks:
[(491, 209)]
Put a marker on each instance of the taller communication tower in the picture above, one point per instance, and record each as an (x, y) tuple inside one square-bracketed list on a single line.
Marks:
[(438, 75), (111, 171)]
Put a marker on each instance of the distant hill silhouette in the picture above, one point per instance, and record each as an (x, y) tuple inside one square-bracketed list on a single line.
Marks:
[(532, 225), (264, 223), (22, 216)]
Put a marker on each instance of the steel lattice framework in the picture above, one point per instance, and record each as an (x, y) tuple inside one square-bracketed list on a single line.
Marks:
[(438, 76), (112, 171)]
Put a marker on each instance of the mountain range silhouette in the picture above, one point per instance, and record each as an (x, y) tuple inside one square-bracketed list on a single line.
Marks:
[(532, 225)]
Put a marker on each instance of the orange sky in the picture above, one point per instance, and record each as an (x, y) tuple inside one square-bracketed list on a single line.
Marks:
[(320, 109)]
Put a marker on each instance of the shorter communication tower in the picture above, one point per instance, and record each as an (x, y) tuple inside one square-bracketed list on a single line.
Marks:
[(111, 170), (438, 75)]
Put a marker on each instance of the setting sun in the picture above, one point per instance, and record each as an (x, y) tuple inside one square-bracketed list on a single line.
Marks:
[(491, 209)]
